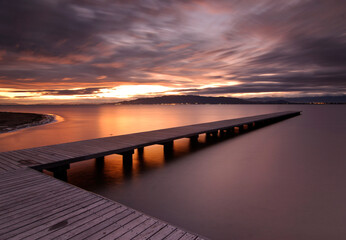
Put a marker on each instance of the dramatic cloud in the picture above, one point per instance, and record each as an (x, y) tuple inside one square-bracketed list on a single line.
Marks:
[(82, 91), (220, 47)]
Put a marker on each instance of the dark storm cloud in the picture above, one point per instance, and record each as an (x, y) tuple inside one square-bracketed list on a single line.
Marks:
[(83, 91), (324, 52), (317, 83), (59, 27), (46, 27), (299, 45), (72, 92)]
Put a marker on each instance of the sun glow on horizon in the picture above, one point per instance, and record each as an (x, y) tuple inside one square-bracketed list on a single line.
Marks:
[(119, 92), (127, 91)]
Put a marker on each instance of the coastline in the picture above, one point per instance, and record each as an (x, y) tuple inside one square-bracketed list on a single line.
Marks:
[(14, 121)]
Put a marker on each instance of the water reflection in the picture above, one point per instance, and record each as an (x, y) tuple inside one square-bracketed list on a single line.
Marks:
[(285, 181), (87, 122), (111, 170)]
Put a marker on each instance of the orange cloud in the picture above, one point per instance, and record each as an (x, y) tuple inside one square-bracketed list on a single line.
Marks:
[(101, 77), (26, 79), (179, 47), (111, 65), (70, 59)]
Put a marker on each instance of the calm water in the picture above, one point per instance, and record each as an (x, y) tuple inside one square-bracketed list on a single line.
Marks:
[(284, 181)]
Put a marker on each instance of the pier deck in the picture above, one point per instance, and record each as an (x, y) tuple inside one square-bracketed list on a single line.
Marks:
[(34, 205)]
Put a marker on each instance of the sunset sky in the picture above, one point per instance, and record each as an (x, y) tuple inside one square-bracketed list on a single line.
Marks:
[(59, 51)]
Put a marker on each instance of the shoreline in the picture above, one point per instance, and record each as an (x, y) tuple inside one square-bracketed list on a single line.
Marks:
[(14, 121)]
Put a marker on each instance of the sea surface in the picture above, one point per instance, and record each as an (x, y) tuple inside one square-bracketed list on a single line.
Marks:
[(282, 181)]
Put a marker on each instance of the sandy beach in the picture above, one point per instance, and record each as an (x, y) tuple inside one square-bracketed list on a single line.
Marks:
[(11, 121)]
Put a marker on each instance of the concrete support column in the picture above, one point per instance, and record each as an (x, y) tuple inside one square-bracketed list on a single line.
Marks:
[(212, 135), (224, 132), (127, 158), (100, 159), (194, 140), (99, 162), (60, 172), (260, 123), (215, 134), (168, 147), (239, 129), (140, 150), (230, 131)]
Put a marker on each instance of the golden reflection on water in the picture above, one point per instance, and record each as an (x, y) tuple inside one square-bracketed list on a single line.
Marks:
[(132, 119), (87, 122), (92, 174)]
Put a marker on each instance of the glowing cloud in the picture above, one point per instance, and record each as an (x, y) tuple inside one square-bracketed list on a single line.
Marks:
[(127, 91)]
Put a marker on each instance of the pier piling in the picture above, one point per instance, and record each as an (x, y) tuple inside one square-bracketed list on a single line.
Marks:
[(60, 172)]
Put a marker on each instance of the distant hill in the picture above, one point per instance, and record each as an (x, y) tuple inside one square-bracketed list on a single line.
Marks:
[(194, 99), (186, 99), (341, 99)]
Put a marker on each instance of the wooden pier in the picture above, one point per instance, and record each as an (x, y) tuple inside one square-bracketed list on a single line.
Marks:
[(34, 205)]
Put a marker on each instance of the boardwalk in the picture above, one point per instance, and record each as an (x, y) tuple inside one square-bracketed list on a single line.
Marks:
[(34, 205)]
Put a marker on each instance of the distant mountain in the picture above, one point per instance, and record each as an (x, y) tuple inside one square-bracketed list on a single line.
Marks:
[(318, 99), (194, 99), (270, 101), (186, 99)]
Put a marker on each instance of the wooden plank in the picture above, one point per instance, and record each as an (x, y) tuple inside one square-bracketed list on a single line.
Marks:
[(37, 155), (164, 232), (38, 211), (57, 215), (22, 192), (73, 148), (2, 168), (107, 143), (29, 194), (5, 168), (7, 158), (45, 154), (124, 225), (33, 181), (56, 209), (73, 221), (6, 186), (138, 229), (98, 227), (175, 235), (151, 230), (188, 236), (127, 227), (68, 154), (7, 181), (18, 174), (89, 226), (23, 154), (27, 207), (7, 165), (107, 226)]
